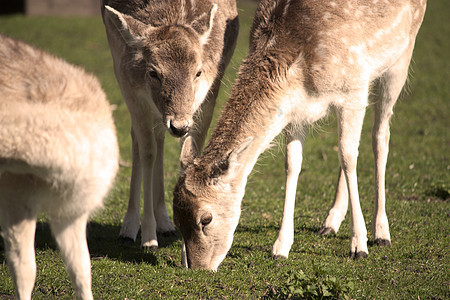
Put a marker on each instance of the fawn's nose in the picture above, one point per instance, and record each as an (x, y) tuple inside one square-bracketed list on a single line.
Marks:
[(179, 129)]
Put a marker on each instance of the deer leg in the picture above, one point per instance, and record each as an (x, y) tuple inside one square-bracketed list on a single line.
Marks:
[(147, 151), (163, 222), (389, 88), (18, 229), (184, 262), (339, 208), (350, 123), (131, 221), (294, 148), (70, 234)]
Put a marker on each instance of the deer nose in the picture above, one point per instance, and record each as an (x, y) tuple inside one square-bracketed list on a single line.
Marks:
[(178, 130)]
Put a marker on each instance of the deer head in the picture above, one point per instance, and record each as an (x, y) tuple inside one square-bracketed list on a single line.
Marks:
[(207, 227), (167, 60)]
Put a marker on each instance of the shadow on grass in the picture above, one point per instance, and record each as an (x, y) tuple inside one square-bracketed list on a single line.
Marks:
[(312, 230), (103, 243)]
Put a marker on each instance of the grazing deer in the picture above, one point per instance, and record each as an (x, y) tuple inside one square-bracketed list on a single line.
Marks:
[(169, 59), (58, 154), (305, 58)]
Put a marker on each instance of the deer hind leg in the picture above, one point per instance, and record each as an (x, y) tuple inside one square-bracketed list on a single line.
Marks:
[(131, 221), (18, 229), (163, 222), (390, 85), (339, 208), (295, 138), (350, 123), (70, 234)]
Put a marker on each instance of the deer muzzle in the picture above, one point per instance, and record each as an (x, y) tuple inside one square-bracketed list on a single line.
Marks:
[(179, 127)]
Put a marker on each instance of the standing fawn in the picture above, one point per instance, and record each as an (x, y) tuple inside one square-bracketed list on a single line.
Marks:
[(306, 57), (58, 154), (169, 59)]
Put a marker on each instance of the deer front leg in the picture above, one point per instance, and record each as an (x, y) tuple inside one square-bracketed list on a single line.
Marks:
[(163, 222), (70, 234), (339, 208), (18, 230), (350, 124), (147, 151), (293, 163), (131, 221)]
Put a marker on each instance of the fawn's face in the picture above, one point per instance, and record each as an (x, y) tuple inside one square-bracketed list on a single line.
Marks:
[(206, 203), (164, 64), (207, 219), (172, 61)]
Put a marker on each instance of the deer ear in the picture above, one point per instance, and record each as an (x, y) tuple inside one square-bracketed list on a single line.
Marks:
[(130, 28), (227, 168), (203, 24), (188, 152)]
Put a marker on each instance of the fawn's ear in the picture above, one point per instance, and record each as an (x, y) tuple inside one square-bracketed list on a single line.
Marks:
[(203, 24), (188, 152), (132, 30), (229, 166)]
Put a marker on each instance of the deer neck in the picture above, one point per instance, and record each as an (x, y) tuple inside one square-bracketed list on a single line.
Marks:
[(259, 107)]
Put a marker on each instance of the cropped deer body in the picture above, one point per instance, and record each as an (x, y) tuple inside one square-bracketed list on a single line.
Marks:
[(305, 58), (58, 154), (169, 59)]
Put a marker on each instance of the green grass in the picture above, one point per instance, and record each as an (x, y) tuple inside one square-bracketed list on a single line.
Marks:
[(418, 185)]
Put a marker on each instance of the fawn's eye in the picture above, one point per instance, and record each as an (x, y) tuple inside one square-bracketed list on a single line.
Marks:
[(153, 74), (206, 220), (199, 73)]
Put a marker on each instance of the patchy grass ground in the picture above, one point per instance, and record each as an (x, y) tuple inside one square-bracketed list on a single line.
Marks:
[(418, 186)]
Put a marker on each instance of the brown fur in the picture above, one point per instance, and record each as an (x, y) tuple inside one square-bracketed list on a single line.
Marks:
[(306, 57), (58, 155), (169, 59)]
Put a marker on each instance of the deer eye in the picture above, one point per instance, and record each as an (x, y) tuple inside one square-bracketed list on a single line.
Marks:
[(199, 73), (153, 74), (206, 220)]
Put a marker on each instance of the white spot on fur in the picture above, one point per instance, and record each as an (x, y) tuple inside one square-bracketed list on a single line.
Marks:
[(321, 51), (416, 14), (286, 7), (383, 32), (200, 93)]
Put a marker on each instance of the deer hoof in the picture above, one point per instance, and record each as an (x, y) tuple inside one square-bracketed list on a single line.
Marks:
[(382, 242), (150, 249), (279, 257), (126, 241), (358, 255), (326, 230)]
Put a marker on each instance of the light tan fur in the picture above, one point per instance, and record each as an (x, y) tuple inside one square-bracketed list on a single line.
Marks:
[(306, 58), (58, 154), (169, 59)]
